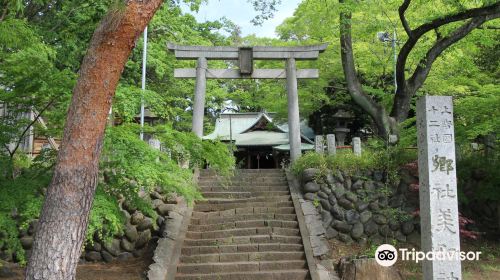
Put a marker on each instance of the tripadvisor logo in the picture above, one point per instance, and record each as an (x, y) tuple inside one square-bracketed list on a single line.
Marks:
[(387, 255)]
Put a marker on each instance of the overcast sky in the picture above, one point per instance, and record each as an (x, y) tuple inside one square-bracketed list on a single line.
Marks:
[(241, 12)]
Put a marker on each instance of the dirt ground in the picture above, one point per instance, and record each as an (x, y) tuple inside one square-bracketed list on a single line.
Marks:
[(133, 269), (128, 270), (487, 268)]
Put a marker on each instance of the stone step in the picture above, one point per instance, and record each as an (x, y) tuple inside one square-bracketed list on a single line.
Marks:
[(232, 205), (243, 178), (239, 180), (295, 274), (243, 217), (244, 171), (242, 232), (282, 198), (236, 240), (254, 178), (244, 257), (243, 175), (245, 210), (224, 267), (246, 175), (247, 194), (242, 248), (244, 188), (205, 183), (244, 224), (245, 228)]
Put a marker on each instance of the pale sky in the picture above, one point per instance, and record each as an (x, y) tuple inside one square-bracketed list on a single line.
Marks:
[(241, 12)]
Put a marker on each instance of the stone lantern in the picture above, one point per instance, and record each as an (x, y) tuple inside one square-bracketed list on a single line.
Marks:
[(342, 119)]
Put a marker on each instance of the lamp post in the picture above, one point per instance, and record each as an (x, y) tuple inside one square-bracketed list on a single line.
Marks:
[(385, 37)]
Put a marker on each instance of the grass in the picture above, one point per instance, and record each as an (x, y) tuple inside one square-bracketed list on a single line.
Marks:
[(488, 266)]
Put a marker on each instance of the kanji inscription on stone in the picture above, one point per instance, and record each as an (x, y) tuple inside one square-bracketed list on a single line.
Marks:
[(438, 185)]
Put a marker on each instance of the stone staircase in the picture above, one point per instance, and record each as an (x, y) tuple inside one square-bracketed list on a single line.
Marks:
[(245, 229)]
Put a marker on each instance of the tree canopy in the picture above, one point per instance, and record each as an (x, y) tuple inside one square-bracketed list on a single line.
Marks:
[(442, 48)]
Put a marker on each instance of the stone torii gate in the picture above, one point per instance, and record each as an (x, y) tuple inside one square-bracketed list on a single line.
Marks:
[(245, 57)]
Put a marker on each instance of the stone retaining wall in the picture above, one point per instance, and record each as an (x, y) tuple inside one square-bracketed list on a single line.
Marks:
[(364, 206), (140, 232)]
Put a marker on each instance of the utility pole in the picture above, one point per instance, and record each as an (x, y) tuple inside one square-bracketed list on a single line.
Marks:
[(143, 82), (394, 40)]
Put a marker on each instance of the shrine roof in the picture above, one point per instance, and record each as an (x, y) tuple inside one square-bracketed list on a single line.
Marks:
[(254, 129)]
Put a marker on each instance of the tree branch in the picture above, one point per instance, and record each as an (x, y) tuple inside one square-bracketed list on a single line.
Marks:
[(8, 150), (29, 126), (4, 13), (425, 65), (472, 13), (489, 27), (402, 9), (403, 96), (438, 34), (375, 110), (420, 31)]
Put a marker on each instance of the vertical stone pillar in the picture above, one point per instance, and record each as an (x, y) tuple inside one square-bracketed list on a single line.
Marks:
[(319, 145), (438, 185), (111, 119), (155, 143), (330, 141), (356, 145), (199, 96), (293, 110)]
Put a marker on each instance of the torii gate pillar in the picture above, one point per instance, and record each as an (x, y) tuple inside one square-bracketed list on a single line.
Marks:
[(293, 110), (199, 97)]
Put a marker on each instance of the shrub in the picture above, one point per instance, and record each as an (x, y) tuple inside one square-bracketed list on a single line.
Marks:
[(128, 166), (20, 203), (376, 156), (106, 218)]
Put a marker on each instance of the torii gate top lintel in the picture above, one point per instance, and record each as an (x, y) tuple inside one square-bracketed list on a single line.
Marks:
[(310, 52)]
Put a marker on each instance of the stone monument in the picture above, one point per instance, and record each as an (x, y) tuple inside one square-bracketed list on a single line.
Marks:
[(438, 186), (319, 145), (356, 145), (331, 145)]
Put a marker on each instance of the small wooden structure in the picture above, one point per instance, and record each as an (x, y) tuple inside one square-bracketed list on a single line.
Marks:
[(245, 57), (259, 142)]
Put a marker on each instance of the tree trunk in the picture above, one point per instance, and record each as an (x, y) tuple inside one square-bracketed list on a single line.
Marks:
[(64, 217), (385, 125)]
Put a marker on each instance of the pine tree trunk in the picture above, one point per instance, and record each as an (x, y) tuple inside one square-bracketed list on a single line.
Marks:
[(64, 217)]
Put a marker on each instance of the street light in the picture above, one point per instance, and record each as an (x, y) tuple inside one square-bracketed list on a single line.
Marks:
[(386, 37)]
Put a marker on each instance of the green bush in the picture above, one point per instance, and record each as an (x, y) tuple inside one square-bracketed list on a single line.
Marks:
[(187, 146), (473, 164), (376, 156), (344, 160), (106, 218), (128, 166), (20, 203)]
